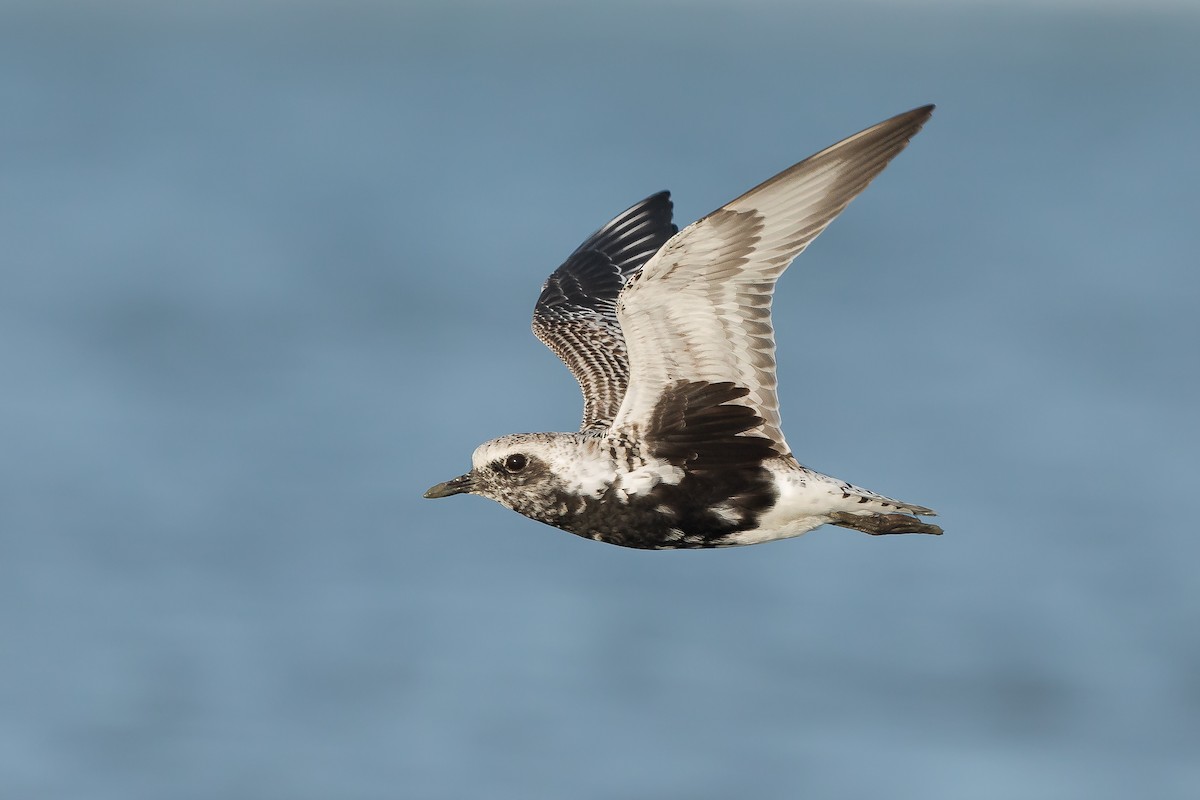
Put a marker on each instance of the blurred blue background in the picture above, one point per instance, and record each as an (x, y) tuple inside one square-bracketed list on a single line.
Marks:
[(267, 275)]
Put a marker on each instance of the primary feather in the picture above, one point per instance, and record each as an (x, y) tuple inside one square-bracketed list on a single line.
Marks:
[(576, 314)]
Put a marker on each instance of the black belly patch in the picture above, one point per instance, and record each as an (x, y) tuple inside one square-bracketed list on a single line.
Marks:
[(698, 427)]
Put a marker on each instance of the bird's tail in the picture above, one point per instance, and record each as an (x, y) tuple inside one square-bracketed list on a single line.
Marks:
[(871, 512)]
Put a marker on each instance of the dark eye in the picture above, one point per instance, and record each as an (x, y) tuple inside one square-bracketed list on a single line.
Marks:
[(515, 463)]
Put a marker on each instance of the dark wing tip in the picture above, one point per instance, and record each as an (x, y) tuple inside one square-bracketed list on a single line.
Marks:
[(634, 235), (594, 274), (910, 122), (921, 113), (576, 313)]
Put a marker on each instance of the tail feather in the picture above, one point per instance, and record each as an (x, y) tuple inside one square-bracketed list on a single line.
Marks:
[(849, 506), (876, 514), (873, 501)]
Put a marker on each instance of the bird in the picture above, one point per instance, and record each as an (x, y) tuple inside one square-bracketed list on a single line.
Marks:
[(668, 333)]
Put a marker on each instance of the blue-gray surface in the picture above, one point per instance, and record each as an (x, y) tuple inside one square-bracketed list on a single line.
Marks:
[(267, 272)]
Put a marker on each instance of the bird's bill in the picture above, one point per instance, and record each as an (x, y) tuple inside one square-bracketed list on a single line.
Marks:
[(459, 485)]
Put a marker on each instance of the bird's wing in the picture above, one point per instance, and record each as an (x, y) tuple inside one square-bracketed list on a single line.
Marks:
[(700, 310), (576, 314)]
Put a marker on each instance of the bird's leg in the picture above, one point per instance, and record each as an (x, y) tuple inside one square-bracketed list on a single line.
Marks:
[(882, 524)]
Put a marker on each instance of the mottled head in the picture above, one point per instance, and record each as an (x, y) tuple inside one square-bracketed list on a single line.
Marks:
[(522, 471)]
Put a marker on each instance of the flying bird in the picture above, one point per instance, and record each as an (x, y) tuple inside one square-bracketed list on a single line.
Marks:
[(669, 336)]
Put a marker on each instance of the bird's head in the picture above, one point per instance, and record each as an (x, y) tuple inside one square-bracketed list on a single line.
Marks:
[(522, 471)]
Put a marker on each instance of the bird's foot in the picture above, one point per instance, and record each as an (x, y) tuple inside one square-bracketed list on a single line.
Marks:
[(882, 524)]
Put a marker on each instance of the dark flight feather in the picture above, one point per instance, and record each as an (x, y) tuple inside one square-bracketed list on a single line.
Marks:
[(576, 314)]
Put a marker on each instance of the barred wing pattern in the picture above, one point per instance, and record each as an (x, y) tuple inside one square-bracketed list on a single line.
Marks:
[(700, 310), (576, 314)]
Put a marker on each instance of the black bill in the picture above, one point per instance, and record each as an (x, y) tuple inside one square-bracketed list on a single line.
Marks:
[(459, 485)]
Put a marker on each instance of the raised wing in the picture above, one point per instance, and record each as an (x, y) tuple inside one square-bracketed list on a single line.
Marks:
[(576, 314), (700, 310)]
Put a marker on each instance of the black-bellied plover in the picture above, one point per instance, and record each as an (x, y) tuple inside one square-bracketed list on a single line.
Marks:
[(669, 335)]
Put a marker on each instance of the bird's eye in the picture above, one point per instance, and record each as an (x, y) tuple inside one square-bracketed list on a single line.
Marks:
[(515, 463)]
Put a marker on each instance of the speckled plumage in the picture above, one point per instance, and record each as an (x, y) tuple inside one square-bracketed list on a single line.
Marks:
[(669, 335)]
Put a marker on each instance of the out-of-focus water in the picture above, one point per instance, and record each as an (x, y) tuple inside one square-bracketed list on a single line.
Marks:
[(267, 272)]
